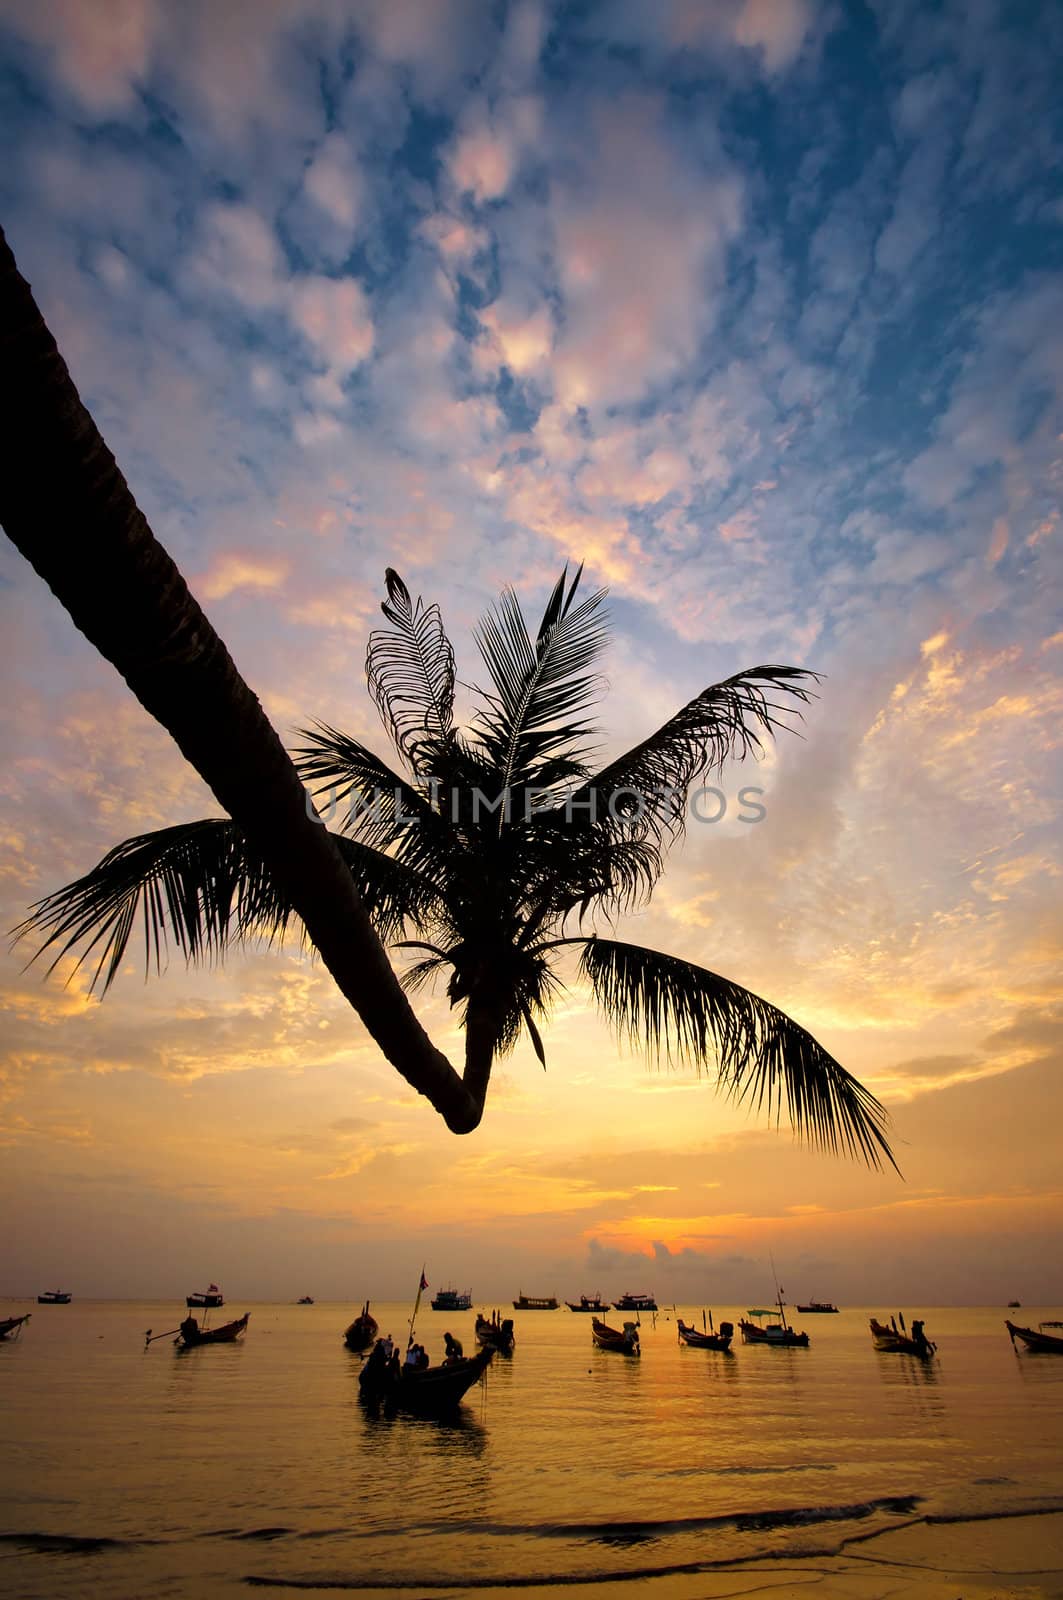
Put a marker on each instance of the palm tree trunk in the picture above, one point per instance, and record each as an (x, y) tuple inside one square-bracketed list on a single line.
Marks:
[(66, 506), (481, 1037)]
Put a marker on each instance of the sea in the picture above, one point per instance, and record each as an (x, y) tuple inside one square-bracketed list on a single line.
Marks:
[(133, 1471)]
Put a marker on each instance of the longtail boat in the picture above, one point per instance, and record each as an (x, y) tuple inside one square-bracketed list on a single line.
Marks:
[(192, 1335), (424, 1391), (362, 1331), (1035, 1339), (778, 1334), (495, 1333), (892, 1340), (624, 1343), (697, 1340), (12, 1325)]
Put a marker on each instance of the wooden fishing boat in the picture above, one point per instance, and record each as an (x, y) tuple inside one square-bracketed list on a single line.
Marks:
[(817, 1306), (452, 1300), (624, 1342), (9, 1325), (495, 1333), (305, 1300), (635, 1302), (897, 1341), (54, 1297), (208, 1299), (536, 1302), (424, 1391), (587, 1303), (697, 1340), (1035, 1339), (362, 1331), (778, 1334), (191, 1335)]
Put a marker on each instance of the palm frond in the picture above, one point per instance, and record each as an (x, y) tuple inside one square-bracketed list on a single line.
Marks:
[(644, 792), (380, 802), (394, 892), (410, 672), (542, 689), (198, 884), (761, 1054)]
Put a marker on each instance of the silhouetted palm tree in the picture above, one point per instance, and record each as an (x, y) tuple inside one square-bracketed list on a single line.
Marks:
[(486, 851)]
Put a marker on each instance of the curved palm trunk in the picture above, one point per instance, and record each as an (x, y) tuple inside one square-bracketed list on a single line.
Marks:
[(481, 1037), (66, 506)]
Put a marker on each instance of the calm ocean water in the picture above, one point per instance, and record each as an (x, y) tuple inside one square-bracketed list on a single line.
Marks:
[(131, 1473)]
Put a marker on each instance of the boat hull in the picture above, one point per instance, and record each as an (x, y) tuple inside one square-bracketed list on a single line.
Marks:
[(613, 1339), (636, 1303), (1038, 1343), (494, 1335), (430, 1392), (57, 1299), (228, 1333), (591, 1307), (9, 1325), (778, 1338), (697, 1340), (362, 1331), (890, 1342)]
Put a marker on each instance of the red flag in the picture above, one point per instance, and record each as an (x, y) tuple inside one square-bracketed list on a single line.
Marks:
[(424, 1280)]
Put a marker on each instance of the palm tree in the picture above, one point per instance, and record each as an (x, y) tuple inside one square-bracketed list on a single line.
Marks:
[(484, 852), (66, 506)]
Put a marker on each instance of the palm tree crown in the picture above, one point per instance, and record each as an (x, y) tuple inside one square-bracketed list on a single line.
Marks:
[(485, 847)]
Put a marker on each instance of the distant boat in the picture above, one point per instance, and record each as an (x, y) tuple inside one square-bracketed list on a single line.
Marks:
[(208, 1299), (1014, 1305), (452, 1300), (779, 1334), (699, 1340), (586, 1303), (362, 1331), (893, 1341), (191, 1334), (424, 1391), (816, 1306), (1036, 1340), (495, 1333), (622, 1343), (305, 1300), (533, 1302), (54, 1297), (9, 1325), (635, 1302)]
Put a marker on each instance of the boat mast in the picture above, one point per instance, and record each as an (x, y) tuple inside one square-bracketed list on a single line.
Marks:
[(778, 1292), (422, 1285)]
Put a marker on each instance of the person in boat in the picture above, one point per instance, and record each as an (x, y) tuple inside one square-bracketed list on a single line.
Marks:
[(387, 1344), (377, 1365), (189, 1329), (413, 1357), (453, 1348), (919, 1338)]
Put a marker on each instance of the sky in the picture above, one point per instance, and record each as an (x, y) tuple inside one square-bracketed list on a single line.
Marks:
[(755, 308)]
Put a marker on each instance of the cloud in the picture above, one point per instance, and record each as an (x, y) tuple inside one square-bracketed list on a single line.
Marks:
[(232, 570)]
